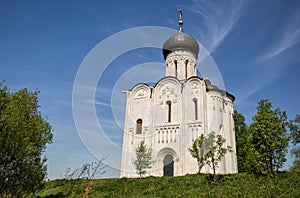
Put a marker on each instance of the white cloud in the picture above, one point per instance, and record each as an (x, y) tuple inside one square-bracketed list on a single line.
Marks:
[(290, 37), (219, 20), (269, 66), (266, 70), (99, 103)]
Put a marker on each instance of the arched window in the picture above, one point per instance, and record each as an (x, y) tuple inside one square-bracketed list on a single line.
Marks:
[(186, 68), (169, 110), (195, 108), (139, 125), (175, 63)]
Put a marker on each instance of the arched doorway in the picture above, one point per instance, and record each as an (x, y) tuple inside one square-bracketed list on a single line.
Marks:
[(168, 165)]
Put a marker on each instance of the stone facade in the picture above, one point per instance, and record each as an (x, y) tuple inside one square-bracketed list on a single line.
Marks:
[(174, 112)]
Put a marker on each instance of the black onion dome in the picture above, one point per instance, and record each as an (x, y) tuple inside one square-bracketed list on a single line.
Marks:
[(181, 41)]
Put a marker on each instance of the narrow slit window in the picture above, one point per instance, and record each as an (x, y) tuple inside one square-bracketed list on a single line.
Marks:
[(186, 68), (169, 105), (195, 108), (139, 126), (175, 63)]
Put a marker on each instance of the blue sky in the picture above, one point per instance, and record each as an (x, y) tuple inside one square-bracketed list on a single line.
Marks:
[(255, 45)]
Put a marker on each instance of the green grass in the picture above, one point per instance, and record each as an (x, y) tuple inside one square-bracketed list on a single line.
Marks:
[(284, 184)]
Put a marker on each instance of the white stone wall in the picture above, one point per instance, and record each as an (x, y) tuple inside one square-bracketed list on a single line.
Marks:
[(214, 113), (195, 110), (181, 64), (220, 120)]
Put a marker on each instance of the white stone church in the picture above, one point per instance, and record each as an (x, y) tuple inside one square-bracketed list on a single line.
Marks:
[(174, 112)]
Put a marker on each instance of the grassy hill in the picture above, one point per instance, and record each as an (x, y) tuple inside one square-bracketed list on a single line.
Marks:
[(284, 184)]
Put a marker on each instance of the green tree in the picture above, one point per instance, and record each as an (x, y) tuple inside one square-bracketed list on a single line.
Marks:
[(209, 150), (199, 150), (294, 126), (143, 159), (216, 151), (269, 138), (24, 134), (242, 141)]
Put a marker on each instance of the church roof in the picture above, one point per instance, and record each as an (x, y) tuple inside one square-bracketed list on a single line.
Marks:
[(181, 41), (211, 87)]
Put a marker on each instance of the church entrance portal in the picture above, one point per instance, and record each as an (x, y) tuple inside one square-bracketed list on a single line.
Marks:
[(168, 165)]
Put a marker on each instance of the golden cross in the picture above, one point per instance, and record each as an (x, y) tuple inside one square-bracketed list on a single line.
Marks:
[(180, 22), (180, 13)]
